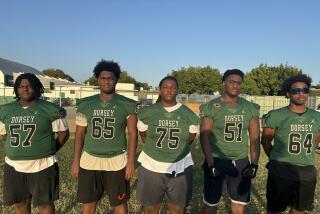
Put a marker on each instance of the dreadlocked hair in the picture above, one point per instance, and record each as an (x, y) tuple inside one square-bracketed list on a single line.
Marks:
[(34, 82)]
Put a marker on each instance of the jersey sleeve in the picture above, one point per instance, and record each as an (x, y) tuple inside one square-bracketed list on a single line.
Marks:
[(2, 128), (2, 113), (317, 117), (141, 126), (60, 125), (194, 119), (81, 119), (255, 110), (269, 120), (131, 108), (194, 129), (53, 111), (205, 110), (80, 107), (143, 115), (59, 113)]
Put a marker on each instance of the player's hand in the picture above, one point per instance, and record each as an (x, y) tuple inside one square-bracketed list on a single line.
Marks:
[(250, 171), (75, 167), (318, 150), (211, 170), (129, 170)]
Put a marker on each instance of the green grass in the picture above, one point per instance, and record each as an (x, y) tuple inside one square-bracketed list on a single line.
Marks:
[(68, 185)]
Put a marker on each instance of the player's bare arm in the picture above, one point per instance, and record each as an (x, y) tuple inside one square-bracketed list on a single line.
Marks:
[(3, 138), (62, 137), (266, 139), (318, 143), (254, 135), (205, 132), (78, 145), (143, 136), (132, 145), (191, 137)]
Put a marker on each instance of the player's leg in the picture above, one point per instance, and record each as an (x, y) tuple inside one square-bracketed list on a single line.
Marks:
[(47, 209), (121, 209), (90, 189), (179, 191), (237, 208), (118, 189), (151, 189), (23, 207), (294, 211), (175, 209), (89, 208), (212, 189), (152, 209)]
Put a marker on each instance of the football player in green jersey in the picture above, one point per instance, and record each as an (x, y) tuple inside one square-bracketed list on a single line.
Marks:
[(167, 129), (228, 124), (29, 125), (295, 131), (101, 122)]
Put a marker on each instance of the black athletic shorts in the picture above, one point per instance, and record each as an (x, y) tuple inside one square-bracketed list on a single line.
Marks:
[(93, 183), (238, 187), (290, 186), (42, 187)]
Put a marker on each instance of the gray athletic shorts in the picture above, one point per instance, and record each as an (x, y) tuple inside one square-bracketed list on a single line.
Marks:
[(42, 187), (153, 187)]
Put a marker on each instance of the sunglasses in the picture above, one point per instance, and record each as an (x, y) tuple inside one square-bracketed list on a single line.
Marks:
[(295, 91)]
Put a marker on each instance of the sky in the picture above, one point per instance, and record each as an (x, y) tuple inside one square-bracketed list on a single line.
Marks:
[(151, 38)]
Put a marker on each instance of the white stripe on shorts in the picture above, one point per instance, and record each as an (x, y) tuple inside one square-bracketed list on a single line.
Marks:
[(239, 202), (207, 203)]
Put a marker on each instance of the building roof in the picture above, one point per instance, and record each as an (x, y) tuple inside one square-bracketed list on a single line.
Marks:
[(9, 67), (45, 80)]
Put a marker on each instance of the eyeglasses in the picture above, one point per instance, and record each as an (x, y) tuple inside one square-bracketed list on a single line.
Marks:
[(295, 91)]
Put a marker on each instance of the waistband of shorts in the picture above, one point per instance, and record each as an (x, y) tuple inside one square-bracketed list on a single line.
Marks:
[(174, 174)]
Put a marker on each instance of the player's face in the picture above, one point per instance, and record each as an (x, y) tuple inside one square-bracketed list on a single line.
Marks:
[(25, 91), (298, 93), (168, 92), (107, 82), (232, 85)]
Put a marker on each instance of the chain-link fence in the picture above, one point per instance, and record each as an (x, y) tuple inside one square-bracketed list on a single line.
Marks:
[(266, 103)]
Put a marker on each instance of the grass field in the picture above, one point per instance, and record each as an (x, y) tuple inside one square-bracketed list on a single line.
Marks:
[(67, 203)]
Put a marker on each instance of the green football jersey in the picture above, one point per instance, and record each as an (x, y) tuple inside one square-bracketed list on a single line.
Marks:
[(106, 124), (229, 138), (295, 135), (29, 130), (168, 132)]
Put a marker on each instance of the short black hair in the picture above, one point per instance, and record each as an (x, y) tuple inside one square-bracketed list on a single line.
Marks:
[(34, 82), (232, 71), (168, 78), (105, 65), (286, 85)]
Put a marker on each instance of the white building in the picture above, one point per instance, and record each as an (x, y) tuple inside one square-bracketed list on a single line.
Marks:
[(10, 70)]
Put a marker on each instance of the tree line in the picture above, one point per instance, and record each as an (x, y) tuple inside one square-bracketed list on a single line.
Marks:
[(262, 80)]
